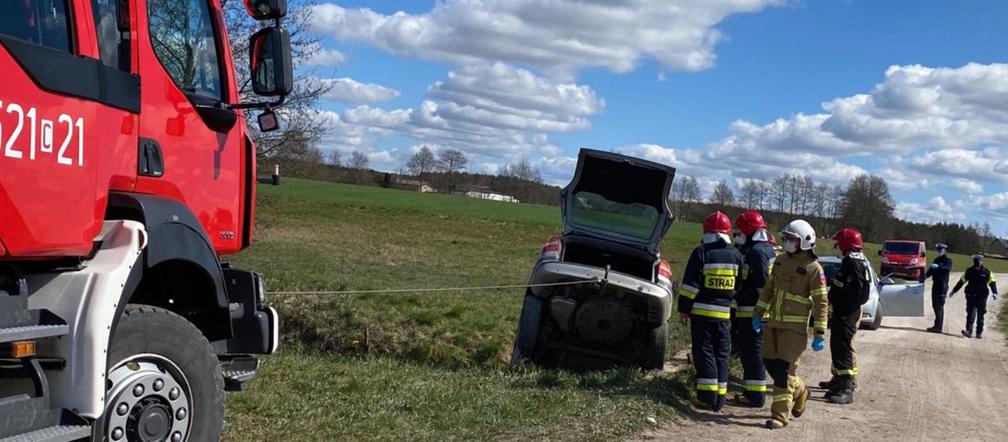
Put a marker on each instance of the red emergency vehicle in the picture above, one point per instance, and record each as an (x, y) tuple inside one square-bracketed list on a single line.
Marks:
[(126, 171)]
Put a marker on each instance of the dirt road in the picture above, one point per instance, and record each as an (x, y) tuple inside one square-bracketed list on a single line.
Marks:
[(914, 385)]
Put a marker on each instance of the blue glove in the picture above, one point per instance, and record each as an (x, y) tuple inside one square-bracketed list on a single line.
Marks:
[(757, 323), (995, 296), (818, 344), (934, 266)]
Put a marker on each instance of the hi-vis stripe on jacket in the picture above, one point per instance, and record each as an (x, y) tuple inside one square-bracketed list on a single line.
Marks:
[(711, 279), (797, 288)]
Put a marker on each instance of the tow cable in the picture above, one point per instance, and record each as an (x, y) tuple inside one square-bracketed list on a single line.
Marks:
[(441, 289)]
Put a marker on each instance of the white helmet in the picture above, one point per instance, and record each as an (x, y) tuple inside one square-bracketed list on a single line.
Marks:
[(801, 229)]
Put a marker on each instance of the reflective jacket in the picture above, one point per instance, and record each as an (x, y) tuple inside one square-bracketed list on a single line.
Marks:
[(711, 280), (759, 261), (851, 286), (796, 290), (940, 275), (976, 278)]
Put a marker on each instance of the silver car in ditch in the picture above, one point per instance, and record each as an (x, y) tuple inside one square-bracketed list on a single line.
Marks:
[(600, 294)]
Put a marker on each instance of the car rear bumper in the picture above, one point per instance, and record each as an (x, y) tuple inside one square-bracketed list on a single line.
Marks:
[(659, 299)]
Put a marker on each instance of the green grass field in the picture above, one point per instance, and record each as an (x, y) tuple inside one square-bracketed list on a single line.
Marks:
[(423, 366)]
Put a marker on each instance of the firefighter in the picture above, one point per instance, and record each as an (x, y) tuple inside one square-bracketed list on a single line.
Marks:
[(796, 289), (708, 287), (939, 274), (849, 289), (752, 239), (977, 279)]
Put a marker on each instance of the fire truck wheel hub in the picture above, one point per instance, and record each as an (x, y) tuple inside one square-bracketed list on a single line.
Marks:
[(148, 400)]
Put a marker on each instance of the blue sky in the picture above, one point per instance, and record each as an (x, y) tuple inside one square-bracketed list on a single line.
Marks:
[(736, 89)]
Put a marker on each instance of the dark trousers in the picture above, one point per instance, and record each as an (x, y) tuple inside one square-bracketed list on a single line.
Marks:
[(976, 308), (711, 342), (750, 352), (842, 330), (938, 304)]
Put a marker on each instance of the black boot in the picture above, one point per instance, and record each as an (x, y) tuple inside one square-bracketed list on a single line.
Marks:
[(845, 394), (967, 333), (830, 384)]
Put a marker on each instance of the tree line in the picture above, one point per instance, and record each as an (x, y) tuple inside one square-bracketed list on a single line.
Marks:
[(864, 203)]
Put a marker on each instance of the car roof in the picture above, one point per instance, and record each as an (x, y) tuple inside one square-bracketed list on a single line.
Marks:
[(904, 240), (830, 259)]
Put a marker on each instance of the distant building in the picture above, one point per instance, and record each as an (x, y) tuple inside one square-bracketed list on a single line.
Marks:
[(403, 183), (997, 247), (484, 193)]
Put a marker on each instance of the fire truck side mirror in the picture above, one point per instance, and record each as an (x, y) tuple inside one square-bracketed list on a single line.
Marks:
[(270, 59), (266, 9)]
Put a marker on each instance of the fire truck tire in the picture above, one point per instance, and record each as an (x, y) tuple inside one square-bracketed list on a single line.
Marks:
[(164, 380)]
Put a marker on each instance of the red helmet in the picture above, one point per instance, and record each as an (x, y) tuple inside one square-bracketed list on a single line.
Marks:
[(749, 221), (717, 222), (848, 238)]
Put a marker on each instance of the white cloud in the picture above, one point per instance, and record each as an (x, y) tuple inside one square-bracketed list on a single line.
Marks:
[(348, 90), (989, 164), (967, 186), (901, 180), (994, 204), (491, 112), (326, 57), (935, 210), (559, 36)]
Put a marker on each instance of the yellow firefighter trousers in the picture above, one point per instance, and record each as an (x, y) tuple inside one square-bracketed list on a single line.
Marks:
[(787, 346)]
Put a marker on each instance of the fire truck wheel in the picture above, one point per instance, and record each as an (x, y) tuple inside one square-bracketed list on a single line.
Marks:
[(164, 381)]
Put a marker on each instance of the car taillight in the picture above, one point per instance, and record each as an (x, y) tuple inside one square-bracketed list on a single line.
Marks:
[(551, 249), (913, 261), (665, 274)]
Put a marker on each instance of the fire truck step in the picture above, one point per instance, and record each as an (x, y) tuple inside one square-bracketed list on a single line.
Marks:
[(59, 433), (32, 332), (238, 371)]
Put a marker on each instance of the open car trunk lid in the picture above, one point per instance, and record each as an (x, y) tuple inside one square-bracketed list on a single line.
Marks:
[(618, 198)]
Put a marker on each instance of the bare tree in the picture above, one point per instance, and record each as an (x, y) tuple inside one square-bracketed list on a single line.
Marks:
[(779, 193), (722, 194), (821, 200), (422, 162), (335, 158), (358, 160), (452, 160), (523, 170), (750, 194), (299, 112)]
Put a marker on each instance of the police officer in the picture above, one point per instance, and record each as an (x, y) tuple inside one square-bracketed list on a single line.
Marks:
[(796, 290), (752, 239), (976, 278), (939, 274), (708, 286), (849, 289)]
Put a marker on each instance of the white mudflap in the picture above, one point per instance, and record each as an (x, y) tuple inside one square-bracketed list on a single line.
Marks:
[(87, 300)]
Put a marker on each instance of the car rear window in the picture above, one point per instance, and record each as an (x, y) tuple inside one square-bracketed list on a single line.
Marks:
[(830, 268), (594, 211), (901, 248)]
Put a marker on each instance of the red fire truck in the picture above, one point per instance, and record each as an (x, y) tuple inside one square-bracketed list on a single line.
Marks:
[(126, 171)]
